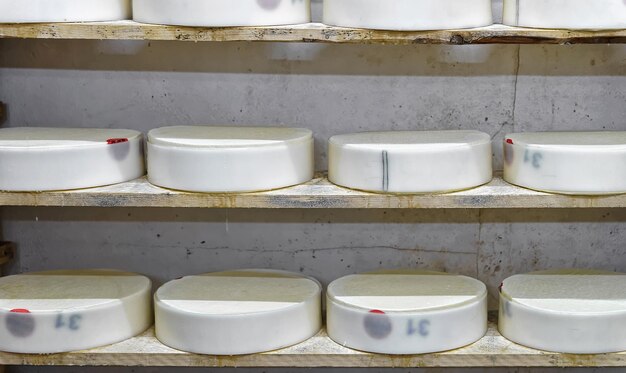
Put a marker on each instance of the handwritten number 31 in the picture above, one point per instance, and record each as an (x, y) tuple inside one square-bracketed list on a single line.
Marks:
[(71, 322)]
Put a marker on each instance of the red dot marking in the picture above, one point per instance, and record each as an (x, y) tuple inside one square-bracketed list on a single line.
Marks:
[(378, 312), (20, 310), (509, 141), (116, 141)]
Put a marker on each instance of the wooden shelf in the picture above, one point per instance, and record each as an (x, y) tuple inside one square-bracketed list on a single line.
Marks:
[(320, 351), (318, 193), (310, 32)]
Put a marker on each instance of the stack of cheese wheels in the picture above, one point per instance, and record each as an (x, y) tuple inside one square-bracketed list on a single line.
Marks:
[(410, 161), (238, 312), (60, 311), (566, 14), (23, 11), (408, 14), (229, 159), (569, 311), (567, 162), (38, 159), (222, 13), (406, 312)]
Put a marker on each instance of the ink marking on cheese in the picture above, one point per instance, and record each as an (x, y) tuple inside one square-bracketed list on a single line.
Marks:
[(534, 159), (385, 170), (116, 141), (72, 322), (509, 141), (377, 325), (20, 323), (420, 328)]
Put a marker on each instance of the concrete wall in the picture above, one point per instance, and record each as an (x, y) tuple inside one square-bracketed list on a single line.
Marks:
[(331, 89)]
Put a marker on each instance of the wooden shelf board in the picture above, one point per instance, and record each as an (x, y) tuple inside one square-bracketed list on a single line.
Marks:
[(320, 351), (318, 193), (310, 32)]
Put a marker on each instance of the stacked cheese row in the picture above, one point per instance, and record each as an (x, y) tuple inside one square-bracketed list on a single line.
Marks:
[(370, 14), (245, 159), (252, 311)]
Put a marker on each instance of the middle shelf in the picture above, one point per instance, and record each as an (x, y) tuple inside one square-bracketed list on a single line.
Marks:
[(492, 350), (317, 193)]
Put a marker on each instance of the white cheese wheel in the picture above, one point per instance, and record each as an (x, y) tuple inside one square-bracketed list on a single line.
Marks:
[(222, 13), (408, 14), (585, 163), (29, 11), (569, 311), (410, 161), (229, 159), (38, 159), (406, 312), (566, 14), (238, 312), (60, 311)]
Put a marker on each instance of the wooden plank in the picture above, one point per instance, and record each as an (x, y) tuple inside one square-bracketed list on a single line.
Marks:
[(318, 193), (320, 351), (310, 32)]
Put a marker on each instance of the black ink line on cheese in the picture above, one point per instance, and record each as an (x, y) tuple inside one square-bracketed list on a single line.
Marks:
[(385, 171)]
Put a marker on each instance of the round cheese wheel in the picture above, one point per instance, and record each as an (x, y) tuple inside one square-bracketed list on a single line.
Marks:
[(406, 312), (567, 162), (569, 311), (222, 13), (38, 159), (60, 311), (238, 312), (229, 159), (566, 14), (28, 11), (408, 14), (410, 161)]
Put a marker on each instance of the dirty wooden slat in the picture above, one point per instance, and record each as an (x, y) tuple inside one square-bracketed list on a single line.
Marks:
[(318, 193), (311, 32), (491, 351)]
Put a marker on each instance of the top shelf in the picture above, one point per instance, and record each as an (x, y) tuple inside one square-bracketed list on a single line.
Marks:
[(309, 32)]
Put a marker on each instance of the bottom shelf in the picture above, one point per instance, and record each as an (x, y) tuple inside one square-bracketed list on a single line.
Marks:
[(493, 350)]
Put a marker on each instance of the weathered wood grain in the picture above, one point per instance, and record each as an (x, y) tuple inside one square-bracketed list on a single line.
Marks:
[(310, 32), (318, 193), (491, 351)]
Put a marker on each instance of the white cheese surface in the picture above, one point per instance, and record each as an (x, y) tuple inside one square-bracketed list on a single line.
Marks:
[(592, 163), (410, 161), (238, 312), (406, 312), (566, 14), (229, 159), (41, 159), (59, 311), (222, 13), (29, 11), (570, 310), (408, 14)]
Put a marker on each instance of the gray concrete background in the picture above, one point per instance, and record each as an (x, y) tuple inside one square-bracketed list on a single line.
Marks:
[(330, 89)]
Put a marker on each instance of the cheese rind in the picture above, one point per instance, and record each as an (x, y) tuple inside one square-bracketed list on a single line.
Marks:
[(40, 159), (410, 161), (229, 159), (61, 311), (31, 11), (585, 163), (406, 312), (569, 311), (408, 14), (565, 14), (222, 13), (238, 312)]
